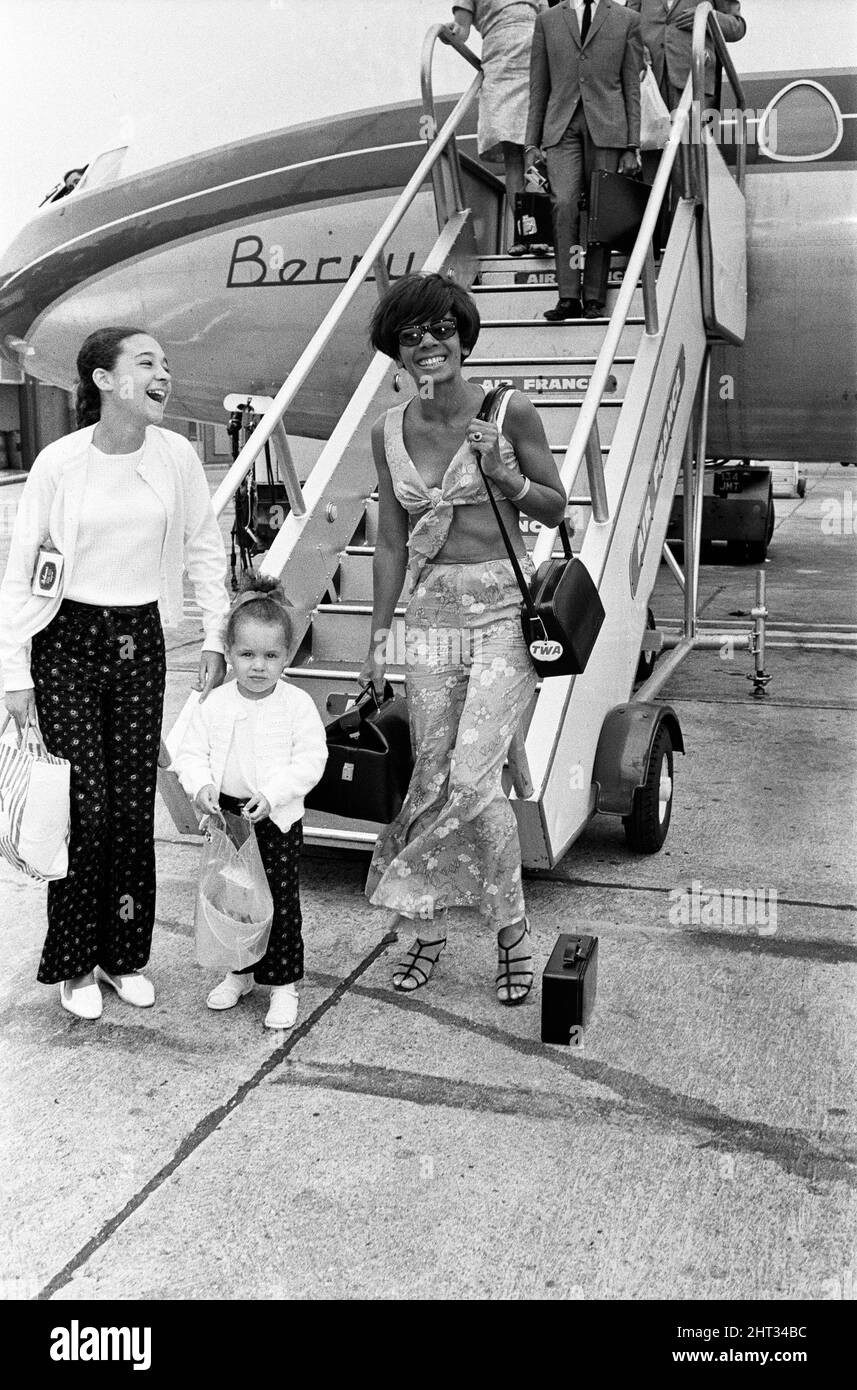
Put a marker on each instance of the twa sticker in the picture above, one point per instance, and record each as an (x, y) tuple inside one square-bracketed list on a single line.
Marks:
[(546, 650)]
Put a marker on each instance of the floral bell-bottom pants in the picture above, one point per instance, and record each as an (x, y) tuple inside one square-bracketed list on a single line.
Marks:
[(469, 681)]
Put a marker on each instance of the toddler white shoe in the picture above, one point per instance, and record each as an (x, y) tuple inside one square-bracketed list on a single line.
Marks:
[(229, 991), (133, 989), (283, 1011), (84, 1001)]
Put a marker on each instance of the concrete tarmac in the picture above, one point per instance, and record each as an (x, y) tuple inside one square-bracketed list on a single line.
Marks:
[(699, 1144)]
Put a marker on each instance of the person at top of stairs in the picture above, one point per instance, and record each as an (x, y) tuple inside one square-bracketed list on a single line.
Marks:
[(469, 675), (506, 27), (585, 114), (667, 32)]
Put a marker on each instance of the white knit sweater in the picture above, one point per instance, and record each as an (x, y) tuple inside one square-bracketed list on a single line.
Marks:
[(289, 746), (50, 510)]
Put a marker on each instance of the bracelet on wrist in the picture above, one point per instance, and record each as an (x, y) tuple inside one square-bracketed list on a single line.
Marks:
[(518, 496)]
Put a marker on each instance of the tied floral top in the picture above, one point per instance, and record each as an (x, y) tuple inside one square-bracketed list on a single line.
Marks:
[(461, 484)]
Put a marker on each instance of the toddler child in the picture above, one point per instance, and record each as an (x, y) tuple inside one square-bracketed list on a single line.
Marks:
[(256, 747)]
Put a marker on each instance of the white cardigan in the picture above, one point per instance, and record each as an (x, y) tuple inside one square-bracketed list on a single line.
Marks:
[(290, 746), (49, 509)]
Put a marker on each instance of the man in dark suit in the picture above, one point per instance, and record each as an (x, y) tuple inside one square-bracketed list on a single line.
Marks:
[(667, 31), (585, 113)]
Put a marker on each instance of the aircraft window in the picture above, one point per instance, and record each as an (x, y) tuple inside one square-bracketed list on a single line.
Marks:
[(103, 169), (802, 122)]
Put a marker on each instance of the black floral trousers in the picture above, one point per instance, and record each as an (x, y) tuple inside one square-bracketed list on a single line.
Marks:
[(280, 851), (99, 676)]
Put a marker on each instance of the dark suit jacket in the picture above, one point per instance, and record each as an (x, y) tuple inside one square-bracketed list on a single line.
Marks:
[(670, 46), (603, 73)]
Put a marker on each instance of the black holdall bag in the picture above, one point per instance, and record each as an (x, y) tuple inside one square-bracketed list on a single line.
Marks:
[(369, 760), (562, 613), (568, 989)]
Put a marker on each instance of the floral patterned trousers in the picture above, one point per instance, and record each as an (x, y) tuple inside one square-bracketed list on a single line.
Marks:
[(469, 682), (99, 677)]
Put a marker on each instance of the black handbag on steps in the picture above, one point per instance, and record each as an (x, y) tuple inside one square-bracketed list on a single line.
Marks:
[(369, 760), (562, 613)]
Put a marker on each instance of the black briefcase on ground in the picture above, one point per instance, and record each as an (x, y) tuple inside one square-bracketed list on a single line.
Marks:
[(617, 203), (568, 988), (369, 760), (533, 219)]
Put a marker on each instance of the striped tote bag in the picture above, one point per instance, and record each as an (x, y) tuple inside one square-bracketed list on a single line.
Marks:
[(34, 805)]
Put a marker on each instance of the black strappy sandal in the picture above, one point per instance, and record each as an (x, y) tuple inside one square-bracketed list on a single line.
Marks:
[(506, 961), (411, 969)]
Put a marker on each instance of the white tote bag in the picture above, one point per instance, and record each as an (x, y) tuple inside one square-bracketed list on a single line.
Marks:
[(34, 804), (654, 114)]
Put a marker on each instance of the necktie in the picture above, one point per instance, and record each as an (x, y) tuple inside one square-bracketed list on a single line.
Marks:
[(587, 20)]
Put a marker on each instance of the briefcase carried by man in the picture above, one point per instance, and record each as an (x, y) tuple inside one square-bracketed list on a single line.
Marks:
[(369, 760), (568, 988), (617, 204)]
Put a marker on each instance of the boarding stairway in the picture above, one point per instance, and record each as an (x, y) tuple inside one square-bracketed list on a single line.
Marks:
[(623, 401)]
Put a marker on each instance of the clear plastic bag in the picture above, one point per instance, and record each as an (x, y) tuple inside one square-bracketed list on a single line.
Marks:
[(655, 123), (234, 908)]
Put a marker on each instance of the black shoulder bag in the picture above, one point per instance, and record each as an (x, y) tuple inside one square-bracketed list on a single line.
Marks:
[(561, 614)]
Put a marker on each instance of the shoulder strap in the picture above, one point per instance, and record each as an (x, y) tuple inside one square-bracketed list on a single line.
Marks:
[(487, 412)]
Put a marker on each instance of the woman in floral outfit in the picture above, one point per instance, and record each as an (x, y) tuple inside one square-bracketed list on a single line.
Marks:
[(469, 675)]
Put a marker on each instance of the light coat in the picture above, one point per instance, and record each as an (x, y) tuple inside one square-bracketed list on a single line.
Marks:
[(49, 513), (289, 746)]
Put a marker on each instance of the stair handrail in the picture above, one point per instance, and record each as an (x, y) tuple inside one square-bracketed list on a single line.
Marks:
[(319, 340), (442, 32), (706, 24)]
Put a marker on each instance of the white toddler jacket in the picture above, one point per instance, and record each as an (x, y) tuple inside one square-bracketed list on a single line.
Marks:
[(50, 508), (290, 746)]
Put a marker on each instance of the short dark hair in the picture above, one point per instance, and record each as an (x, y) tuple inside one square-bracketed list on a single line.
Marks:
[(419, 299)]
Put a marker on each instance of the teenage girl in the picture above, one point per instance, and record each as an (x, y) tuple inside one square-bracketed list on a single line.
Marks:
[(256, 747), (126, 504)]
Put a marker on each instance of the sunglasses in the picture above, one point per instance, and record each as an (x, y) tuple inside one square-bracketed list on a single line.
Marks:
[(412, 334)]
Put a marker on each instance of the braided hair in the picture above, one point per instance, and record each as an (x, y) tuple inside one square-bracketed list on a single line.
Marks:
[(261, 597), (101, 349)]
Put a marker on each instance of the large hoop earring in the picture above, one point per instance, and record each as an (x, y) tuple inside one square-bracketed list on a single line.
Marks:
[(396, 381)]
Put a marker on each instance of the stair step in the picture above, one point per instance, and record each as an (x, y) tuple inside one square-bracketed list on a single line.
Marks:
[(335, 678), (530, 301), (340, 633), (560, 420), (556, 379), (536, 338), (520, 268)]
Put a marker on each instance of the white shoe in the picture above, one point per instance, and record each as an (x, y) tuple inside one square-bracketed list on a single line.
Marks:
[(229, 991), (133, 989), (82, 1000), (283, 1011)]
